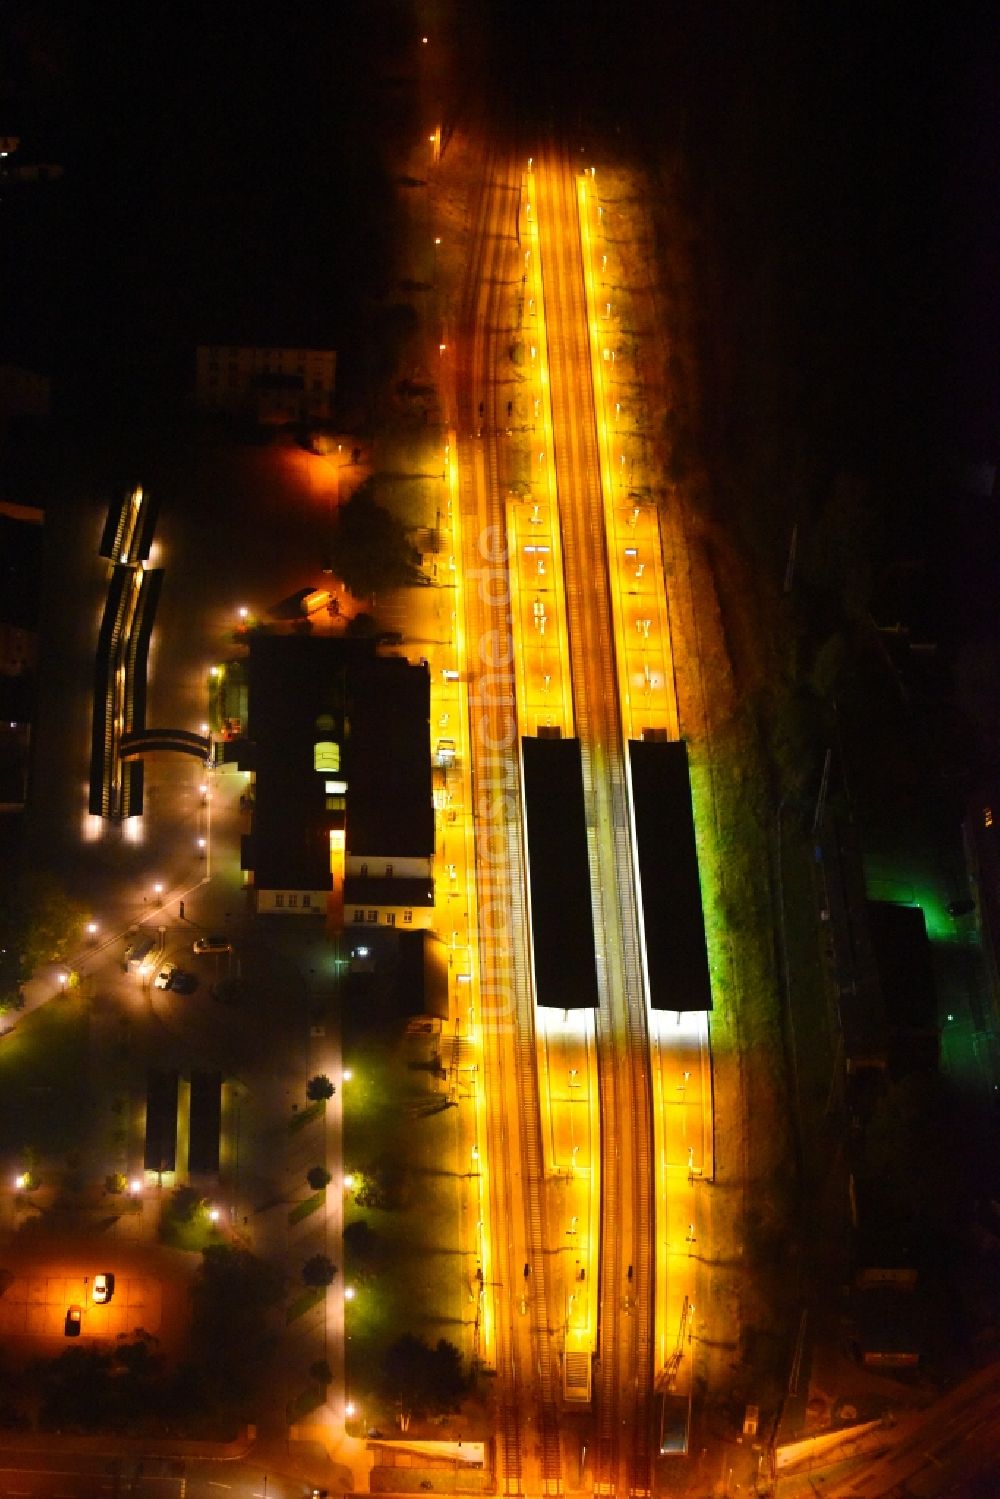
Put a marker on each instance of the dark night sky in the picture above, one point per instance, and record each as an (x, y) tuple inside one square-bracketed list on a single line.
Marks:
[(223, 180)]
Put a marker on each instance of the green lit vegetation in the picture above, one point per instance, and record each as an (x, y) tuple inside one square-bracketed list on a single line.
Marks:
[(304, 1302), (39, 924), (186, 1222), (301, 1117), (305, 1208), (305, 1403), (402, 1259), (43, 1089)]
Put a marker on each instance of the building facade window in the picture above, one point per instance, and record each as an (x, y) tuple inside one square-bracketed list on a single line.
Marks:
[(293, 900), (373, 916), (407, 918), (359, 915), (364, 871), (390, 918), (279, 901), (388, 871), (307, 900)]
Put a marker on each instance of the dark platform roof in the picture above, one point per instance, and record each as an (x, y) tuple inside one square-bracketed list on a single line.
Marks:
[(379, 709), (360, 891), (420, 975), (906, 979), (903, 957), (673, 921), (390, 808), (562, 921)]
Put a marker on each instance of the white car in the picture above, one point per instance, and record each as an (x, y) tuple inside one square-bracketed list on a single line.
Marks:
[(104, 1286), (166, 973)]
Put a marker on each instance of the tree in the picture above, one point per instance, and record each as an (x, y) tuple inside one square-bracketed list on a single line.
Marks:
[(362, 1251), (422, 1378), (384, 1183), (230, 1338), (319, 1088), (318, 1271), (39, 923), (318, 1177), (361, 1242), (370, 549)]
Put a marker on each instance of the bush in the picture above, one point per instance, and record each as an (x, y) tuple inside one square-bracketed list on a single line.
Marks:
[(318, 1271), (319, 1088), (318, 1177)]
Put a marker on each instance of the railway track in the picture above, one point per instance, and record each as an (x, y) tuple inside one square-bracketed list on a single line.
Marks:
[(528, 1432), (623, 1455)]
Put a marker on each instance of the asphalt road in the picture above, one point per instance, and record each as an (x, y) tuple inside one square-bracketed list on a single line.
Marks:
[(30, 1475)]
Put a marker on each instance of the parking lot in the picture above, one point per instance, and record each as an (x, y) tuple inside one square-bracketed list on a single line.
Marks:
[(36, 1306)]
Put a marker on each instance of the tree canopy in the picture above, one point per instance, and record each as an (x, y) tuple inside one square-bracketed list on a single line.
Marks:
[(318, 1271), (420, 1378), (230, 1338), (370, 549), (39, 922)]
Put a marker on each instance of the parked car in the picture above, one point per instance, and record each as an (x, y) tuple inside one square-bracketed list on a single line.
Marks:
[(165, 977), (74, 1321), (183, 983), (104, 1286), (213, 943)]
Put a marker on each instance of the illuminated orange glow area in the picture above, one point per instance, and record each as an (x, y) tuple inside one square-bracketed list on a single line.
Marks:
[(335, 905)]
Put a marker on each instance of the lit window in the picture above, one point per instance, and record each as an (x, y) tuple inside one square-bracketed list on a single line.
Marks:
[(335, 788), (407, 918), (987, 817), (326, 755), (390, 918), (279, 901), (373, 916)]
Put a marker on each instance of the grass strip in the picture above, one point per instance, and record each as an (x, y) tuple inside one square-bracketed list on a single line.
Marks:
[(308, 1205), (304, 1302)]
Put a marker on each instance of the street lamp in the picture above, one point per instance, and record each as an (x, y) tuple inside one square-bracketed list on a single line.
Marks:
[(349, 1293), (158, 888), (346, 1075), (92, 930), (135, 1186)]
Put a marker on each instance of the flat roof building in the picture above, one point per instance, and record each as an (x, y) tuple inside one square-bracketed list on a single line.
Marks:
[(272, 385), (341, 810)]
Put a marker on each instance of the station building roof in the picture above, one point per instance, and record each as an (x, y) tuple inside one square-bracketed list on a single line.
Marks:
[(322, 710)]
